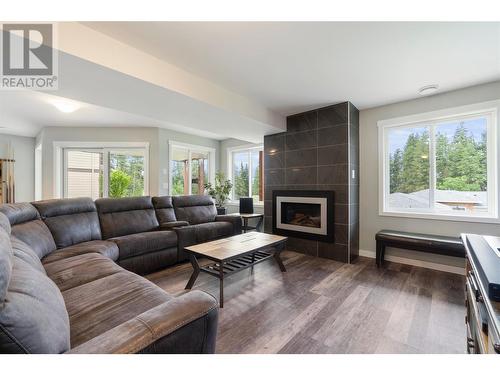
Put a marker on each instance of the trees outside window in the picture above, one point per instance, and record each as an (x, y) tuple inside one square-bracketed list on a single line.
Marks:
[(246, 174), (439, 166), (190, 168), (104, 172)]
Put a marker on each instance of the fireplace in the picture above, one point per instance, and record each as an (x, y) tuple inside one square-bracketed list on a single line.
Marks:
[(303, 213)]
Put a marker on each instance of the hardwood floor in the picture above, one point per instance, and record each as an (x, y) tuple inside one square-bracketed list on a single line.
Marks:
[(323, 306)]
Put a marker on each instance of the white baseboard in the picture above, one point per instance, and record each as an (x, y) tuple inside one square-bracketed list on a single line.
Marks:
[(415, 262)]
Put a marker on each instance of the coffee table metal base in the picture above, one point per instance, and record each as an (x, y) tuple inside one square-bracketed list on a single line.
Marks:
[(223, 269)]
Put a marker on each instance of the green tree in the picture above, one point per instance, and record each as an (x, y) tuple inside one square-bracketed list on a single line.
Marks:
[(460, 163), (396, 169), (442, 158), (133, 166), (256, 181), (415, 173), (119, 183), (466, 166), (178, 177), (241, 181)]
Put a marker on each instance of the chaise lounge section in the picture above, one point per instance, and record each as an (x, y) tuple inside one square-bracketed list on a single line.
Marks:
[(65, 287)]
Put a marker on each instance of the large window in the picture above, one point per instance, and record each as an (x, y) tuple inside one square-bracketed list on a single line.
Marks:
[(441, 164), (245, 172), (190, 168), (103, 172)]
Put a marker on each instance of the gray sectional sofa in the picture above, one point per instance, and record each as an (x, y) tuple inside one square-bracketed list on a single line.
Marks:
[(69, 275)]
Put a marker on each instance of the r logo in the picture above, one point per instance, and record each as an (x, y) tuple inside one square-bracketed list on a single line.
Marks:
[(27, 50)]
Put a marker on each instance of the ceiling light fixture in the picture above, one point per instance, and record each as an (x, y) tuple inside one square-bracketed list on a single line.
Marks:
[(65, 105), (428, 90)]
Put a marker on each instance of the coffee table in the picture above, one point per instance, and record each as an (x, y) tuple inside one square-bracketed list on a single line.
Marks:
[(234, 254)]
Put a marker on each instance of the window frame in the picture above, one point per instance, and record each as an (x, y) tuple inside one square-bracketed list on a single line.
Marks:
[(190, 148), (229, 167), (60, 150), (431, 119)]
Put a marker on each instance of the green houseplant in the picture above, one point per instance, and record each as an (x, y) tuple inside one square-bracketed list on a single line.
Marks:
[(219, 191)]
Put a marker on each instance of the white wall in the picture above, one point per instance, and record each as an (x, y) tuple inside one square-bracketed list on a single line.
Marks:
[(370, 221), (24, 168)]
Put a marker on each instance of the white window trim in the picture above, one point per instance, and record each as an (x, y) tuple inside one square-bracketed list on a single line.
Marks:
[(60, 146), (190, 148), (229, 168), (490, 108)]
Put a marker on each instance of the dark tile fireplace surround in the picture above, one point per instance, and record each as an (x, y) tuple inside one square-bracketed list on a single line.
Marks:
[(318, 152)]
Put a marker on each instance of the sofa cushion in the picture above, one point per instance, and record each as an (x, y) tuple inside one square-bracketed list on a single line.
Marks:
[(147, 242), (5, 257), (22, 251), (33, 317), (5, 223), (123, 216), (27, 226), (211, 231), (151, 262), (71, 221), (194, 209), (164, 209), (105, 303), (77, 270), (106, 248)]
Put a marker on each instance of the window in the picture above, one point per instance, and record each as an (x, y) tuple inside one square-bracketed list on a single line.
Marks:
[(103, 172), (441, 164), (245, 172), (190, 168)]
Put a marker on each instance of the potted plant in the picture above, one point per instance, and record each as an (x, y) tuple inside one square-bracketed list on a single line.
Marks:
[(219, 191)]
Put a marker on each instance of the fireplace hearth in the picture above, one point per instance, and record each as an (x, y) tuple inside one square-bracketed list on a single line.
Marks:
[(304, 213)]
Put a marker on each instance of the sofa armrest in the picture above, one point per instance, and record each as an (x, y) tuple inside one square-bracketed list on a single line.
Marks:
[(162, 322), (233, 219), (173, 224)]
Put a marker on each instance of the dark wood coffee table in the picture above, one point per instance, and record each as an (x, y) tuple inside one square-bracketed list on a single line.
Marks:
[(234, 254)]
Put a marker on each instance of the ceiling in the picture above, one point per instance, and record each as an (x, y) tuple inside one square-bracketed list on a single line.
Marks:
[(290, 67), (25, 113)]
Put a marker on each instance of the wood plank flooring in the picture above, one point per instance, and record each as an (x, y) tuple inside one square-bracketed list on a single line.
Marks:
[(323, 306)]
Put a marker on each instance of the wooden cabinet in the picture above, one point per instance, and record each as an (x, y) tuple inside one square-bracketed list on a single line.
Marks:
[(483, 314)]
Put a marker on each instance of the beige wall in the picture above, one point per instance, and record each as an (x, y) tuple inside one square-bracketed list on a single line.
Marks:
[(370, 221), (24, 168)]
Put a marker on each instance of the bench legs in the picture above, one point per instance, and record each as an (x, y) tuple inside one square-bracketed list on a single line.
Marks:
[(380, 253)]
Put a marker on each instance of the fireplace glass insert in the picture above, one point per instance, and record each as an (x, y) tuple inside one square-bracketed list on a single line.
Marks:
[(303, 214)]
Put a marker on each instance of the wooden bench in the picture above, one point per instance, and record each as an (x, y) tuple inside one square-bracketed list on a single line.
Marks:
[(428, 243)]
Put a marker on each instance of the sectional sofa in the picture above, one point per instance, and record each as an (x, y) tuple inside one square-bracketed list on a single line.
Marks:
[(69, 275)]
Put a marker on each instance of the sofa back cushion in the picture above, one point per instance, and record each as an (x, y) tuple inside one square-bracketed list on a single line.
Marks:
[(164, 209), (123, 216), (71, 221), (27, 226), (33, 316), (194, 209)]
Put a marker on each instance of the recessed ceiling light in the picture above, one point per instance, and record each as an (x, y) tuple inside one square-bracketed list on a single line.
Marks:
[(428, 90), (65, 105)]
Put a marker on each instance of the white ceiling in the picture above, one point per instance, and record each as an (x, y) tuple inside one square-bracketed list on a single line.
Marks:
[(290, 67)]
